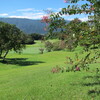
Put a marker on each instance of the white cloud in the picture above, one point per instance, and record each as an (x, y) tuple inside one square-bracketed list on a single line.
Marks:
[(4, 14), (37, 17), (82, 19), (34, 15), (30, 15), (18, 17), (59, 9), (28, 9)]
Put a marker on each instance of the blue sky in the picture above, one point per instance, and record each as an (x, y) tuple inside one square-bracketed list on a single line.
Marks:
[(33, 9)]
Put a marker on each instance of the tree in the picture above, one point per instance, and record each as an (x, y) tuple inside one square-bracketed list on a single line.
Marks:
[(73, 28), (37, 36), (28, 39), (86, 36), (48, 46), (92, 8), (11, 38), (57, 24)]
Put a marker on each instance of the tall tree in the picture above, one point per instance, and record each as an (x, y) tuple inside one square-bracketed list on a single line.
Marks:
[(11, 38), (92, 8)]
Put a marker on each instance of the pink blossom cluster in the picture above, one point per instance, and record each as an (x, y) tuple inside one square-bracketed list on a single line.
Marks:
[(45, 19), (77, 68), (92, 8), (65, 1)]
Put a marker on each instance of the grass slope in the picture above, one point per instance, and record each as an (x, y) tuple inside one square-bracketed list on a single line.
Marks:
[(28, 76)]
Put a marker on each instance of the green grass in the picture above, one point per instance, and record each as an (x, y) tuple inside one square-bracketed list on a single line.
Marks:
[(28, 76)]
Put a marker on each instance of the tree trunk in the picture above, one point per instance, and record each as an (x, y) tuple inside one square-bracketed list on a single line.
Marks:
[(0, 53), (5, 55)]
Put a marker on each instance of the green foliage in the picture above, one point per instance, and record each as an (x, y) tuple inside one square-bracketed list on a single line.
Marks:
[(86, 34), (84, 62), (29, 39), (41, 50), (56, 24), (36, 36), (59, 45), (76, 32), (62, 44), (55, 46), (11, 38), (48, 46), (71, 44), (76, 26), (56, 69), (53, 35)]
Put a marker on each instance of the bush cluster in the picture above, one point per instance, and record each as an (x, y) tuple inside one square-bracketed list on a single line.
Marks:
[(55, 46), (59, 45), (29, 38), (48, 46)]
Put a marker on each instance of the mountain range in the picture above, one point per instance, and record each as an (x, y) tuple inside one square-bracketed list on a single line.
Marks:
[(26, 25)]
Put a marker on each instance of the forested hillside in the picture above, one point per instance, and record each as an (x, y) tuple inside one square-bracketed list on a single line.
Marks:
[(26, 25)]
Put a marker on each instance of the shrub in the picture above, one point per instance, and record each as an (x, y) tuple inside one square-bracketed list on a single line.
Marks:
[(41, 50), (62, 45), (48, 46), (59, 45), (83, 63), (56, 69), (28, 39), (56, 46), (36, 36), (71, 44)]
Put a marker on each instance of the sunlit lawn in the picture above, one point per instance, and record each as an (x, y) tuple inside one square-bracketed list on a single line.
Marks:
[(28, 76)]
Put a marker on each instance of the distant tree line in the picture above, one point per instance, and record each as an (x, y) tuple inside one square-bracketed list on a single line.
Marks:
[(30, 38)]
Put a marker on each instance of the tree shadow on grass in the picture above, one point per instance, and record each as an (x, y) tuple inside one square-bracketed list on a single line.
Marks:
[(94, 91), (95, 82), (20, 61), (91, 84)]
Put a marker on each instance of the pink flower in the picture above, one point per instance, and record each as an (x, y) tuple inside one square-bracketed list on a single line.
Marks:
[(77, 68), (45, 19), (92, 8), (65, 1)]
